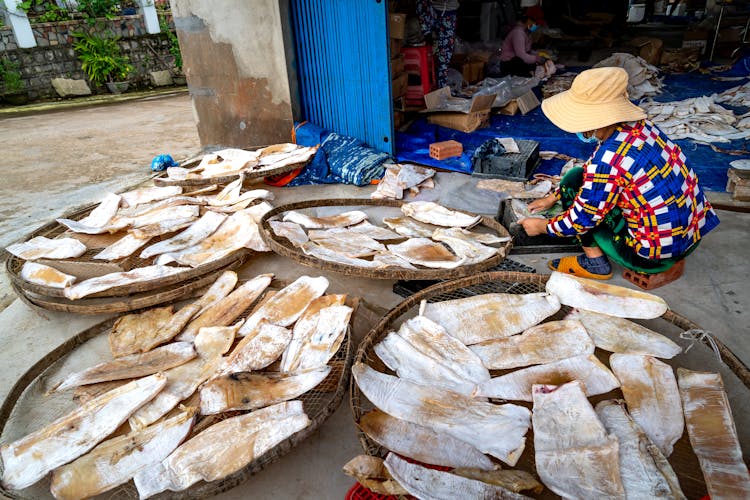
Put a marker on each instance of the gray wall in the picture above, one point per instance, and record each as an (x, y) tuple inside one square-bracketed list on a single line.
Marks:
[(236, 67)]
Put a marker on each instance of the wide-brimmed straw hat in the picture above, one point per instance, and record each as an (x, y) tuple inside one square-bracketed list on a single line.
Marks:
[(597, 98)]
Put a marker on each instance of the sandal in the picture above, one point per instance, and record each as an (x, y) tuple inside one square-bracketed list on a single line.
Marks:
[(570, 265)]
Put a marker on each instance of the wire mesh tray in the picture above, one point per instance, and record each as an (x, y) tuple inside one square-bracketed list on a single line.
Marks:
[(376, 210), (29, 407), (14, 264), (734, 373)]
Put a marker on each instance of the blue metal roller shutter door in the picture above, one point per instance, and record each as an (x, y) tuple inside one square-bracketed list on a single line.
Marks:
[(343, 67)]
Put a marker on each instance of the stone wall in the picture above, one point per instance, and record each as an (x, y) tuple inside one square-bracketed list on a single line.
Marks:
[(54, 56)]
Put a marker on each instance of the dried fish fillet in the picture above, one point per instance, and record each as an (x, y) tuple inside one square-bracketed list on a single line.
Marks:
[(375, 232), (210, 343), (258, 349), (85, 393), (146, 195), (223, 448), (713, 434), (644, 470), (387, 259), (513, 480), (316, 337), (605, 298), (622, 336), (432, 213), (516, 386), (346, 237), (289, 230), (498, 430), (411, 228), (236, 232), (490, 316), (515, 189), (198, 231), (45, 248), (371, 473), (471, 252), (323, 253), (162, 227), (138, 275), (29, 459), (539, 344), (247, 196), (127, 245), (250, 391), (45, 275), (288, 304), (342, 220), (304, 328), (438, 485), (223, 312), (421, 443), (442, 234), (574, 455), (127, 332), (117, 460), (133, 366), (280, 159), (427, 253), (97, 220), (650, 390)]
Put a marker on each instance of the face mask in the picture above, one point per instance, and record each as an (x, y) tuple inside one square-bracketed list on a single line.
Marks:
[(585, 139), (533, 28)]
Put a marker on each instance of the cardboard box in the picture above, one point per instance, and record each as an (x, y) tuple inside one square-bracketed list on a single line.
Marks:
[(473, 71), (399, 84), (395, 46), (464, 122), (397, 65), (695, 39), (524, 104), (397, 25), (649, 49)]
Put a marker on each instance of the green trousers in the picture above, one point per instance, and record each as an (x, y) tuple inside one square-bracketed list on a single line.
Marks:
[(611, 234)]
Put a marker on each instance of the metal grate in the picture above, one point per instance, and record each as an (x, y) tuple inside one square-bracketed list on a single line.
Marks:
[(406, 288)]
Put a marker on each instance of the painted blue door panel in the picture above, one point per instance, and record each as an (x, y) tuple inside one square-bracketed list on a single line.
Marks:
[(343, 67)]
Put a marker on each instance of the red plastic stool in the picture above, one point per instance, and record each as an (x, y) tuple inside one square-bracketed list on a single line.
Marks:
[(420, 69), (651, 281)]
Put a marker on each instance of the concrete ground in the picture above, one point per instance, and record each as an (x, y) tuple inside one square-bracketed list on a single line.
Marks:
[(66, 159)]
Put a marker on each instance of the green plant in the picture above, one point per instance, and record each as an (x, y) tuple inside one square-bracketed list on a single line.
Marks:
[(47, 12), (92, 9), (10, 76), (101, 58), (174, 43)]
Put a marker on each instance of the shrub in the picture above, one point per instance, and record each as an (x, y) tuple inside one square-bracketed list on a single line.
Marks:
[(101, 58)]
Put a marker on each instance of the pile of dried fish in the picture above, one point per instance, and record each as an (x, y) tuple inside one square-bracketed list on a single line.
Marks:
[(643, 78), (699, 118), (517, 189), (736, 96), (403, 177), (166, 224), (427, 236), (558, 83), (195, 409), (228, 162), (435, 408)]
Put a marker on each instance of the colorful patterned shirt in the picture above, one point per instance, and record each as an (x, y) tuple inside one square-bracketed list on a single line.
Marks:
[(641, 171)]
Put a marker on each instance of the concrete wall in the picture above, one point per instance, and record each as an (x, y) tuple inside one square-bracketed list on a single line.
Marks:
[(53, 57), (235, 63)]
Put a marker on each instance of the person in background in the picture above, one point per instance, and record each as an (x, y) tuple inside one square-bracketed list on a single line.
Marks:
[(516, 56), (439, 17), (636, 200)]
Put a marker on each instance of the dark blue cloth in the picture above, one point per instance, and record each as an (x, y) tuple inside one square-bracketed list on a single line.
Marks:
[(340, 160)]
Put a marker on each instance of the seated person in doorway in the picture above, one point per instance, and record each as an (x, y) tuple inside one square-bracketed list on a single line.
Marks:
[(636, 200), (439, 17), (516, 56)]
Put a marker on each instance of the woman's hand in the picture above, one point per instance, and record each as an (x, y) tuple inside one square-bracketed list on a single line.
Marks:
[(542, 204), (534, 226)]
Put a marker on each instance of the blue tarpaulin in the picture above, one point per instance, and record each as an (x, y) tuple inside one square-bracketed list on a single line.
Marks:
[(710, 166)]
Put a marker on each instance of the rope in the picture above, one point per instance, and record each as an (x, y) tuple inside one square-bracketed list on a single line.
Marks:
[(697, 335)]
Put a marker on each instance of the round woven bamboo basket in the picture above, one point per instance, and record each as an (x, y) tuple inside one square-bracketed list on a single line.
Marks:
[(683, 459), (163, 180), (284, 247), (319, 404)]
